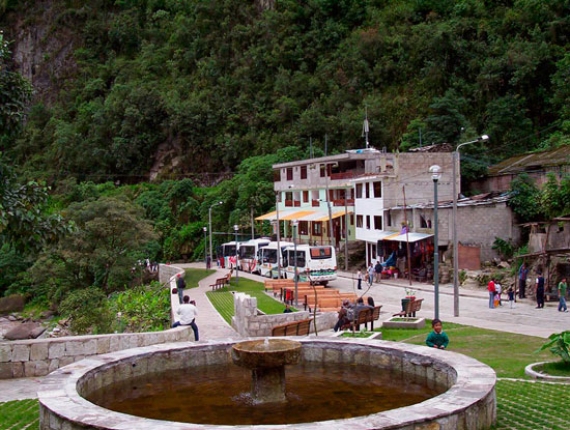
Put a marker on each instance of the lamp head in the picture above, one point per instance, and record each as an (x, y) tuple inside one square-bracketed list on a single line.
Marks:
[(484, 138), (236, 227), (205, 229), (435, 171)]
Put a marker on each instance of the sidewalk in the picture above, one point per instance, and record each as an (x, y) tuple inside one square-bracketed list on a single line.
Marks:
[(473, 306)]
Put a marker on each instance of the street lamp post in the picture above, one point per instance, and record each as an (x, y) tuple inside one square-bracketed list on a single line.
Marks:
[(278, 235), (205, 247), (236, 228), (210, 225), (457, 171), (435, 175), (294, 224)]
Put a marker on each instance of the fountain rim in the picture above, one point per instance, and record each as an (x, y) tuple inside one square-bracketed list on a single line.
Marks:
[(474, 381)]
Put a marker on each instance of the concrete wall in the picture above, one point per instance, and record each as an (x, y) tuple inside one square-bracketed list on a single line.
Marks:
[(38, 357), (248, 323)]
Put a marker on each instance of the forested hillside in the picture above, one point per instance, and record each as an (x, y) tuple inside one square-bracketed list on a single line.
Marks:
[(191, 88)]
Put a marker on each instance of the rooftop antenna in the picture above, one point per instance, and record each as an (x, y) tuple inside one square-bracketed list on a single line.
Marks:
[(326, 144), (311, 153), (366, 128)]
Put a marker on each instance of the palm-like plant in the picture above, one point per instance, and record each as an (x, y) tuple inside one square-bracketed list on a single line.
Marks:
[(559, 344)]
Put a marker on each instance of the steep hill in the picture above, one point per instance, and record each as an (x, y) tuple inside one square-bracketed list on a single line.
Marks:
[(130, 89)]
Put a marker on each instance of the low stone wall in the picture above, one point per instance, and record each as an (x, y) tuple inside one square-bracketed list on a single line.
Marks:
[(248, 323), (469, 402), (38, 357)]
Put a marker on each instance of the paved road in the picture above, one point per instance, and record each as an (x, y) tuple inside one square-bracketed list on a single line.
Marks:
[(473, 310)]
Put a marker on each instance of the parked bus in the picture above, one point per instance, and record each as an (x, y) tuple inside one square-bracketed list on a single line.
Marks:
[(267, 258), (316, 264), (248, 254), (227, 254)]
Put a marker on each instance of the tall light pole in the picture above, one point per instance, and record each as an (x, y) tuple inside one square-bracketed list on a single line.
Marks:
[(236, 228), (294, 224), (435, 171), (457, 172), (205, 247), (277, 193), (210, 225)]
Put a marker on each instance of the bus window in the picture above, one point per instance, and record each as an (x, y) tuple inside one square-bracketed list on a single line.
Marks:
[(321, 253)]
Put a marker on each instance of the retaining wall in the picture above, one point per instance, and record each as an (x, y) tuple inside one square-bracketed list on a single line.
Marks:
[(248, 323)]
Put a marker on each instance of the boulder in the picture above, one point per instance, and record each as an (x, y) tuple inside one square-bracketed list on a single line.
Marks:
[(23, 331)]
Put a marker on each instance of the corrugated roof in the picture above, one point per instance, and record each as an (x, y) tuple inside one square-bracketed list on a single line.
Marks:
[(478, 200), (532, 162)]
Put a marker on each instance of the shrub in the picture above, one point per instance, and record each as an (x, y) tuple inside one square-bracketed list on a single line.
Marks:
[(559, 344), (88, 311)]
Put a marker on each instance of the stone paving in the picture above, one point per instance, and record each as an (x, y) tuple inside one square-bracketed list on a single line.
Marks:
[(473, 309)]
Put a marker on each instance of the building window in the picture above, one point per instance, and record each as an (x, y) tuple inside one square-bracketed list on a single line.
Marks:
[(368, 222), (303, 172), (389, 218), (317, 228), (289, 173), (367, 190), (377, 189), (423, 222), (304, 228), (305, 197), (277, 175), (359, 221), (358, 191), (323, 169), (377, 222)]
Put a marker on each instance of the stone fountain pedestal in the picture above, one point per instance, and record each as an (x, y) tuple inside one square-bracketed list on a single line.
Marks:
[(267, 359)]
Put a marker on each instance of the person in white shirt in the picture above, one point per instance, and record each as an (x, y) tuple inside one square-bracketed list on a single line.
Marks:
[(188, 313)]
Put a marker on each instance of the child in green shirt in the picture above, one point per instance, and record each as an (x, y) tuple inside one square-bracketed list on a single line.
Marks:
[(437, 338)]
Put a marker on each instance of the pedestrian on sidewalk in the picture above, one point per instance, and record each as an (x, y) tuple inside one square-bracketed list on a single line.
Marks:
[(370, 274), (523, 273), (378, 271), (180, 286), (359, 278), (492, 290), (562, 287), (539, 290), (188, 313), (511, 296)]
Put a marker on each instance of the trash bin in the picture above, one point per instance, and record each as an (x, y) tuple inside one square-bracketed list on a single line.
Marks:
[(405, 303)]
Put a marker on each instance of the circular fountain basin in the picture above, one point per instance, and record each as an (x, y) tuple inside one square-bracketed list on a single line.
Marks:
[(469, 401)]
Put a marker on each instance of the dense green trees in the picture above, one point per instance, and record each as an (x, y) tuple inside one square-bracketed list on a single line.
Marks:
[(196, 86)]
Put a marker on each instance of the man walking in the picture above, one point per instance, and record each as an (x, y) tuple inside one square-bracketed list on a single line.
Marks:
[(188, 313), (562, 287), (492, 290), (180, 285)]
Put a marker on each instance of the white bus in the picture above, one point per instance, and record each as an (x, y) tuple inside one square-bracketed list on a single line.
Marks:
[(267, 258), (248, 252), (227, 254), (316, 264)]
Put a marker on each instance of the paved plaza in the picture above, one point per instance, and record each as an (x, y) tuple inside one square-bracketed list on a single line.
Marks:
[(473, 311)]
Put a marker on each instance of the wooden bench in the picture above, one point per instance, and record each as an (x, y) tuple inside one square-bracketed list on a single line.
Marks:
[(364, 316), (220, 283), (413, 306), (295, 328)]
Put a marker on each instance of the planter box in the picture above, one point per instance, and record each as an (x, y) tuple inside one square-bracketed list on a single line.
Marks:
[(404, 322), (373, 335)]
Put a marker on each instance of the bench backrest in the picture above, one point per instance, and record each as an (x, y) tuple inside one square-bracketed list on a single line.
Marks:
[(329, 302), (414, 305), (296, 328), (376, 312)]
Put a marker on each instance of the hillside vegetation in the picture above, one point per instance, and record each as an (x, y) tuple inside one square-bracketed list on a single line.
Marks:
[(193, 87)]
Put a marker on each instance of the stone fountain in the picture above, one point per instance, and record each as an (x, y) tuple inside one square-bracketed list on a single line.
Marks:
[(267, 359), (466, 396)]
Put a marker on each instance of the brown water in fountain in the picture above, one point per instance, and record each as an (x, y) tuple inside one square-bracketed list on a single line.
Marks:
[(220, 395)]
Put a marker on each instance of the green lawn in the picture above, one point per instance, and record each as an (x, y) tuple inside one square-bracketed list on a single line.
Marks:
[(522, 404)]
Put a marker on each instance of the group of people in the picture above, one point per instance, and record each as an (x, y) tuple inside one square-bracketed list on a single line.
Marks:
[(494, 289), (187, 310), (349, 311)]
